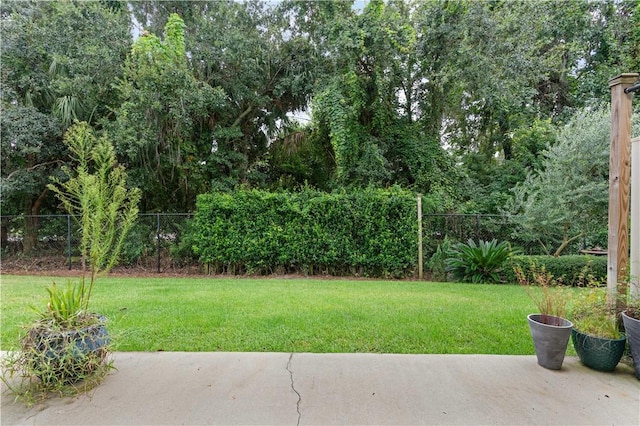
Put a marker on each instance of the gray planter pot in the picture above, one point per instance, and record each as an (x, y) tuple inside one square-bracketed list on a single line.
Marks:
[(632, 330), (550, 338)]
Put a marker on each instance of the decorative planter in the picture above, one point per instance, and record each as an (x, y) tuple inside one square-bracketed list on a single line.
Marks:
[(550, 338), (70, 355), (632, 330), (599, 353)]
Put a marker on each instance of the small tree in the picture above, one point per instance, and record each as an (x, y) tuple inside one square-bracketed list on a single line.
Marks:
[(97, 196), (68, 345), (568, 198)]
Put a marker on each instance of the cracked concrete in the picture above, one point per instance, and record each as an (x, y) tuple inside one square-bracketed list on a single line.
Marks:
[(293, 388), (168, 388)]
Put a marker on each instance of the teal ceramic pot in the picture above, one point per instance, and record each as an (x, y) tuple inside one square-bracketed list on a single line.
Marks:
[(597, 352)]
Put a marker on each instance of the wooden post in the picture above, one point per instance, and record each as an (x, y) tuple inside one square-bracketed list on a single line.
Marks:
[(619, 176), (635, 219), (420, 267)]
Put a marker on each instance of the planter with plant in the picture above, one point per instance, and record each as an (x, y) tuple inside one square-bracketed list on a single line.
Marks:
[(550, 330), (596, 335), (66, 350), (631, 321)]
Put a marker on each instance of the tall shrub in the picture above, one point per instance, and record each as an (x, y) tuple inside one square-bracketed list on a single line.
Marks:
[(370, 232)]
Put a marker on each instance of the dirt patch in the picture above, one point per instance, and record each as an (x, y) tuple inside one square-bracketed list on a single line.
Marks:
[(58, 266)]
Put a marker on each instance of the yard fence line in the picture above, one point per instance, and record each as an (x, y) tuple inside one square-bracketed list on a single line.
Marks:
[(155, 241)]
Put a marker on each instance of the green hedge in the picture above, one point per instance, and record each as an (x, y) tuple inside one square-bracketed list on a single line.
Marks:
[(574, 270), (369, 233)]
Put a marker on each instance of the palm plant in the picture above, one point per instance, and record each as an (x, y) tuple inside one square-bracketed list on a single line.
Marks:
[(480, 262)]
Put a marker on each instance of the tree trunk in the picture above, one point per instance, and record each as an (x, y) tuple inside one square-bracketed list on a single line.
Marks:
[(32, 223), (4, 232), (29, 239)]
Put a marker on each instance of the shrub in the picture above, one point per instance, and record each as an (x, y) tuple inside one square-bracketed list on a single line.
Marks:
[(478, 263), (574, 270), (437, 262), (182, 252), (138, 244), (370, 232)]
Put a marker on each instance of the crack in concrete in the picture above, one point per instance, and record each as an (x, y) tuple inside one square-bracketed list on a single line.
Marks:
[(293, 388)]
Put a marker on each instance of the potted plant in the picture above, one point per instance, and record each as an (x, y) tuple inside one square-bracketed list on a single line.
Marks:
[(65, 350), (631, 321), (596, 335), (550, 331)]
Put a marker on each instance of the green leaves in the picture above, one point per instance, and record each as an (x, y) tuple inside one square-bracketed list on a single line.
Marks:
[(479, 263), (96, 194), (567, 198), (372, 232), (64, 304)]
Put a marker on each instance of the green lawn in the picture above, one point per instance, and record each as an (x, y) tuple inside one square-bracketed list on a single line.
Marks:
[(292, 315)]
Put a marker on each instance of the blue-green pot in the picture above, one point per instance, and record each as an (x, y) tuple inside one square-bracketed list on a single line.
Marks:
[(599, 353)]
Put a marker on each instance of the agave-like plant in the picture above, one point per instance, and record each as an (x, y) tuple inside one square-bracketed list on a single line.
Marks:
[(478, 263)]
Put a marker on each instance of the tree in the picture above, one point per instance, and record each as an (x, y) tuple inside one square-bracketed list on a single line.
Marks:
[(158, 123), (95, 192), (265, 72), (568, 198), (59, 60)]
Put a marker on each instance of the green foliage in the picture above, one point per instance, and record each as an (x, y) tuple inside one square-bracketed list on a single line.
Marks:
[(550, 299), (183, 252), (437, 263), (371, 232), (575, 270), (55, 361), (591, 314), (139, 243), (568, 197), (65, 305), (68, 344), (96, 194), (159, 123), (478, 263)]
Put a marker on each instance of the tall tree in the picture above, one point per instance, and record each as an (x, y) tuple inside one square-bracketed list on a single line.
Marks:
[(567, 199), (59, 60), (158, 123), (246, 50)]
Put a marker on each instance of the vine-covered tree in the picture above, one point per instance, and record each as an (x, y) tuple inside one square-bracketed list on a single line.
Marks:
[(158, 126)]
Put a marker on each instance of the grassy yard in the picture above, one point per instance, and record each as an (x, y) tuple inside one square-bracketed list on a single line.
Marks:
[(291, 315)]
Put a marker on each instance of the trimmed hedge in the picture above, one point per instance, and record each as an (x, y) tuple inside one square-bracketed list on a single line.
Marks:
[(369, 232), (573, 270)]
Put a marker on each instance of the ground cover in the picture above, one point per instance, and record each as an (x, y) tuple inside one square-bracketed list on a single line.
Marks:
[(291, 315)]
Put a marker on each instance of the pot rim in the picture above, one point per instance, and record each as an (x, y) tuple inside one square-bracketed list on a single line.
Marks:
[(568, 324), (623, 336)]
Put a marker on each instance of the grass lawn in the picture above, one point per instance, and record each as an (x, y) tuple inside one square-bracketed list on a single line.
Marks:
[(291, 315)]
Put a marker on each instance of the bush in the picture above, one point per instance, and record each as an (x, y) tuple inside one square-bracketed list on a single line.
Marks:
[(437, 262), (574, 270), (138, 244), (478, 263), (370, 232), (182, 252)]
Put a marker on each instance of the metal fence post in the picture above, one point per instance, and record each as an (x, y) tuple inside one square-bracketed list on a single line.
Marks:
[(69, 238), (158, 238), (420, 266)]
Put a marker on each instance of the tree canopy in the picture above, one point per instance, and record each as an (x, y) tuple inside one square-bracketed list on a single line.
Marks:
[(467, 101)]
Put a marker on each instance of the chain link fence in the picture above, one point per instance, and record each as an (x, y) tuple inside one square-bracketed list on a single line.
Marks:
[(53, 242), (158, 242)]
